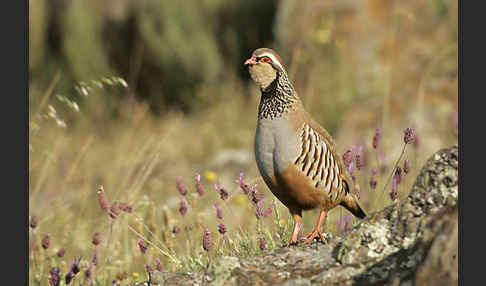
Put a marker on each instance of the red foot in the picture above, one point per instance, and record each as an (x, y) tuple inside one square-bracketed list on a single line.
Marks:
[(314, 234), (295, 232)]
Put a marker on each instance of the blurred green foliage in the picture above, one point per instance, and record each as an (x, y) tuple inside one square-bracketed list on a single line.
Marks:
[(83, 45), (177, 54), (185, 52), (165, 49)]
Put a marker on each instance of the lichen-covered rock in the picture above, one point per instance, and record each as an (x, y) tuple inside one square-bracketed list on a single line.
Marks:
[(398, 226), (413, 242), (440, 264), (174, 278)]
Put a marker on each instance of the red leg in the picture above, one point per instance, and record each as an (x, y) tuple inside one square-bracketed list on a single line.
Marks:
[(297, 216), (317, 231)]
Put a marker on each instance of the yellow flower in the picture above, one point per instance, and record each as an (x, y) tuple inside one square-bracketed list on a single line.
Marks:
[(282, 222), (210, 176), (239, 199), (135, 275)]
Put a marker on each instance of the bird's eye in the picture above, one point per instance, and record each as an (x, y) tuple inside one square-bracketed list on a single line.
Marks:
[(265, 59)]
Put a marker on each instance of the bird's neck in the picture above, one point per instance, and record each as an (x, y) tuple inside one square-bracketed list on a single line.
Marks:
[(278, 98)]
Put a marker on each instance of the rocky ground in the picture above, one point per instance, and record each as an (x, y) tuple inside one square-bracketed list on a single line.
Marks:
[(412, 242)]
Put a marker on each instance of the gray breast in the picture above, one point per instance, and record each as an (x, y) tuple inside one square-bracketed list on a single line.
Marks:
[(276, 145)]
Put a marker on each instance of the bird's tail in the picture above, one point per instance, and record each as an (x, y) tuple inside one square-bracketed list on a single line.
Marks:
[(350, 202)]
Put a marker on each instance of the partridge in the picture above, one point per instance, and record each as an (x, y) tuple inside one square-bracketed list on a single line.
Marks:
[(296, 156)]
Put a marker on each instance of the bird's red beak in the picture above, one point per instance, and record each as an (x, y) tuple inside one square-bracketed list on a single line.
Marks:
[(251, 62)]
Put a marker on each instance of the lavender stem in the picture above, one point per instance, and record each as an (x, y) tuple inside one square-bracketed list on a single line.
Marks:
[(393, 171)]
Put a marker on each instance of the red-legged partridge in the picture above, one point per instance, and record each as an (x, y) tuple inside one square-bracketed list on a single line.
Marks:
[(296, 157)]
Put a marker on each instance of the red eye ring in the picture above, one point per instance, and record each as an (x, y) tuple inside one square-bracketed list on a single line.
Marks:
[(265, 59)]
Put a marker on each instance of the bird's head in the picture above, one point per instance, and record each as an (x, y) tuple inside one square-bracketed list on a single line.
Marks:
[(264, 67)]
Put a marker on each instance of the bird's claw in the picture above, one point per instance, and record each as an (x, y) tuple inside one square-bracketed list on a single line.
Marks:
[(315, 234)]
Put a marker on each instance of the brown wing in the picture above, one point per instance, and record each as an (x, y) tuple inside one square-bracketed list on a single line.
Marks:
[(318, 161), (327, 137)]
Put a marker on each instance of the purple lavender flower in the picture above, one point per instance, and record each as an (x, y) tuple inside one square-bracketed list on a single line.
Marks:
[(373, 179), (255, 195), (142, 246), (46, 241), (125, 207), (359, 162), (222, 228), (69, 276), (148, 268), (54, 277), (243, 186), (262, 242), (393, 193), (259, 208), (183, 207), (376, 138), (206, 240), (398, 174), (351, 168), (60, 252), (199, 186), (114, 209), (219, 212), (74, 267), (96, 238), (158, 264), (222, 192), (268, 211), (180, 186), (406, 166), (103, 199), (95, 257), (88, 272), (176, 230), (33, 222), (409, 135), (347, 157), (54, 270)]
